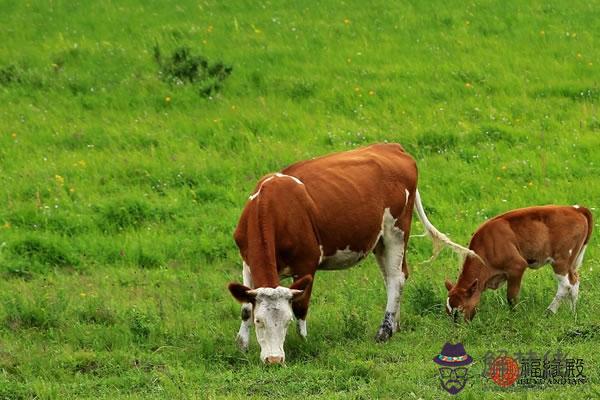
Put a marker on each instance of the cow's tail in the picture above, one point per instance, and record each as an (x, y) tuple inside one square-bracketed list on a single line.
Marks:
[(438, 238)]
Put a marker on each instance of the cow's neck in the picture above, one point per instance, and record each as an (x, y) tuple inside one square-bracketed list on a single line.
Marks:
[(263, 275), (261, 250)]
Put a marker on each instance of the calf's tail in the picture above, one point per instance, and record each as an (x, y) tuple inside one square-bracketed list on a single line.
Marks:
[(590, 221)]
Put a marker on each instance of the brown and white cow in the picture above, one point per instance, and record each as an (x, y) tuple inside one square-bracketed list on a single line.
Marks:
[(327, 213), (510, 243)]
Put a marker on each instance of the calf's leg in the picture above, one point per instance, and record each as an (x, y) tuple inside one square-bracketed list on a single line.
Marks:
[(514, 278), (561, 273), (512, 290), (574, 277)]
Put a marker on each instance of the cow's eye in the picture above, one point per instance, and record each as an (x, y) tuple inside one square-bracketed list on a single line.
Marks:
[(257, 321)]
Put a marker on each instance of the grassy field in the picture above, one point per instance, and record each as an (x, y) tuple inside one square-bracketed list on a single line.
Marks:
[(128, 147)]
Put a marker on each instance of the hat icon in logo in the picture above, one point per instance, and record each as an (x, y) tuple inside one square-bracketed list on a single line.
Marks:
[(453, 360)]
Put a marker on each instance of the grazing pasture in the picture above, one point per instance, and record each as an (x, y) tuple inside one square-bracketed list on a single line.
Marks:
[(132, 133)]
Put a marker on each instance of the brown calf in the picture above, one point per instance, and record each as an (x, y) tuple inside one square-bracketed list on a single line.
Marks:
[(508, 244)]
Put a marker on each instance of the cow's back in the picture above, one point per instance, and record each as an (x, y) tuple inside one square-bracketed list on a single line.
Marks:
[(352, 189)]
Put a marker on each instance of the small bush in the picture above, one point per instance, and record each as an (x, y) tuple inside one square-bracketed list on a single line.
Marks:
[(183, 67)]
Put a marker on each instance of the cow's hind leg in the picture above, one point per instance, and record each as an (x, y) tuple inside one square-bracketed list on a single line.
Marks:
[(574, 277), (390, 257), (243, 336)]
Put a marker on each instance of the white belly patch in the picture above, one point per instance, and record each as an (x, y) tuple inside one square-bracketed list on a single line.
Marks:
[(347, 258), (342, 259)]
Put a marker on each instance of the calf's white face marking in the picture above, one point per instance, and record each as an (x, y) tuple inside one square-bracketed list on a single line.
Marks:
[(448, 307), (272, 316)]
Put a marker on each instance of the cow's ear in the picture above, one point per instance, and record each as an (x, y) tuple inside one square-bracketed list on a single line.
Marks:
[(242, 293), (299, 286), (448, 284), (472, 288)]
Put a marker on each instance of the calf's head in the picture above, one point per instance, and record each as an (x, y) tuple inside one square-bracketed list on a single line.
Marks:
[(462, 300), (272, 313)]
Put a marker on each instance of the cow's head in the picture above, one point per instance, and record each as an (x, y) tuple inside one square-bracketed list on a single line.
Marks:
[(272, 313), (462, 300)]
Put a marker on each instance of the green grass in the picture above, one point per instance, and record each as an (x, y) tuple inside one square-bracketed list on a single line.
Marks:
[(120, 188)]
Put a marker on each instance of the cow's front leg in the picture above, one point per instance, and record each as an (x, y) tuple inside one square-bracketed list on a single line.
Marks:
[(243, 336), (300, 308), (390, 257)]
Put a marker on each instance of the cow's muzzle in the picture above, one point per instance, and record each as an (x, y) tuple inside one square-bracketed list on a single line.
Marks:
[(274, 360)]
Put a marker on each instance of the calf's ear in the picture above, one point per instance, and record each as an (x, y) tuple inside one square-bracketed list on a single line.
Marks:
[(242, 293), (448, 284), (299, 286), (472, 288)]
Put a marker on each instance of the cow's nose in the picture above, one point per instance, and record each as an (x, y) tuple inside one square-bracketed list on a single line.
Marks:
[(274, 360)]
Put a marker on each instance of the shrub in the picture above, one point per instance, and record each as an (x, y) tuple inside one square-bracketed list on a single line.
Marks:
[(183, 67)]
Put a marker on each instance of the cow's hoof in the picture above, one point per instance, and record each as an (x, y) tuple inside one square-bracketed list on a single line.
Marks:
[(384, 334), (243, 342), (549, 313)]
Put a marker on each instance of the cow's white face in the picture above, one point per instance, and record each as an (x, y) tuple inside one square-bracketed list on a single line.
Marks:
[(272, 316), (272, 313)]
